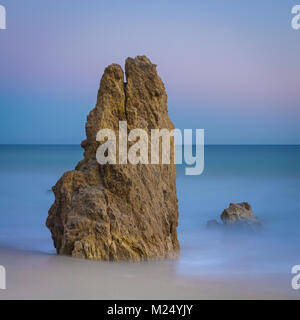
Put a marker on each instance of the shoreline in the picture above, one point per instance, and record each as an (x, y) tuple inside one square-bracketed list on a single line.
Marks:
[(37, 275)]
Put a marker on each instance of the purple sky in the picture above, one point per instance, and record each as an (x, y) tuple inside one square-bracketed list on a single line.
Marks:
[(230, 67)]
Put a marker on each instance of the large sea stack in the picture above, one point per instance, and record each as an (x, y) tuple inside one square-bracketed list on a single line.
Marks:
[(124, 211)]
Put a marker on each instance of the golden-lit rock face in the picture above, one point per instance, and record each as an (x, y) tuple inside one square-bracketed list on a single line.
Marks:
[(119, 212)]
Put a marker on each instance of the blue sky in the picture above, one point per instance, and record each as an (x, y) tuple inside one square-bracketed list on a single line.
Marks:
[(230, 67)]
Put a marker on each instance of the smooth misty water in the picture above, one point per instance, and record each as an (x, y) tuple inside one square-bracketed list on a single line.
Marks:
[(268, 177)]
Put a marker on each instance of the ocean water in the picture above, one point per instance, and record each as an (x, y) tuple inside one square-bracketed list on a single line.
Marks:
[(268, 177)]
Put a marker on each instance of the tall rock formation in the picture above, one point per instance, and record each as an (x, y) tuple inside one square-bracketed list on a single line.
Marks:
[(123, 211)]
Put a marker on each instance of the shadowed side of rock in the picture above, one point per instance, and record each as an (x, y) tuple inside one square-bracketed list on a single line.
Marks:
[(119, 212)]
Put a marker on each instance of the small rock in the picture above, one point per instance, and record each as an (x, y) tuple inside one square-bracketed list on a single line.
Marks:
[(238, 212), (238, 215)]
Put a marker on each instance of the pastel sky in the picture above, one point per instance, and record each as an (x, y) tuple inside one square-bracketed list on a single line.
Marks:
[(231, 67)]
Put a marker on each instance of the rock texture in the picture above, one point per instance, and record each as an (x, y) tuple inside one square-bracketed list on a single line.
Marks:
[(119, 212), (238, 212), (238, 215)]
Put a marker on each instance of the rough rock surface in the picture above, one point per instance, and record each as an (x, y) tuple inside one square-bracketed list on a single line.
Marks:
[(238, 212), (119, 212), (237, 215)]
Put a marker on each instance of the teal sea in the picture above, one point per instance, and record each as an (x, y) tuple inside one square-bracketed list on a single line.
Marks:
[(268, 177)]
